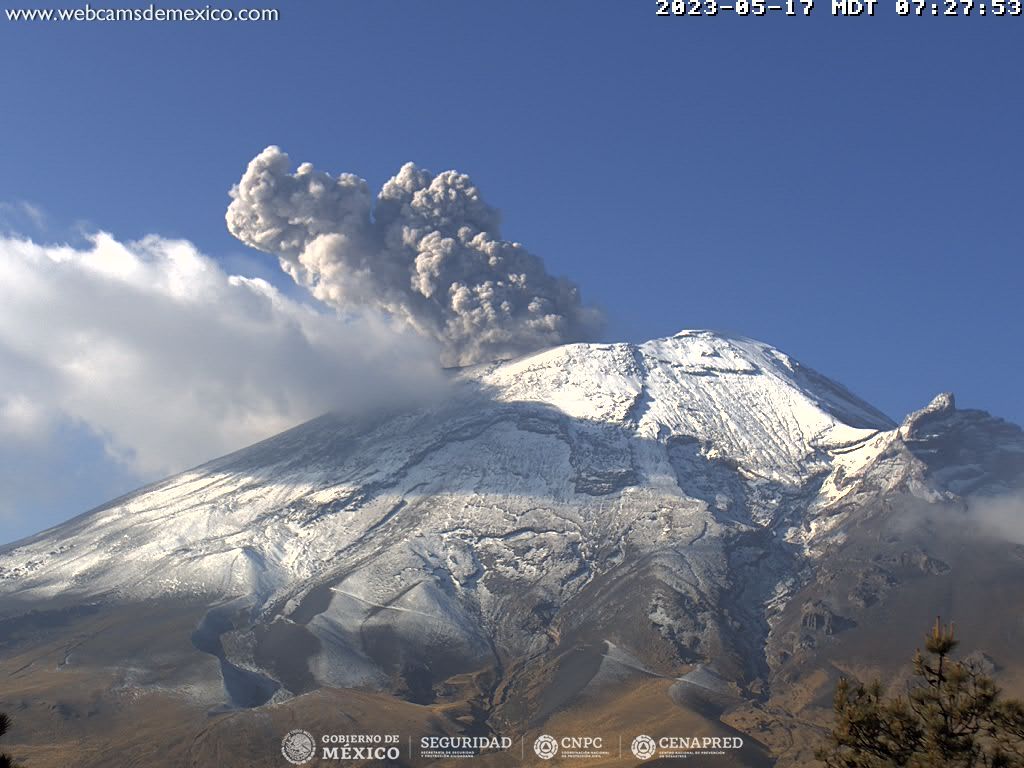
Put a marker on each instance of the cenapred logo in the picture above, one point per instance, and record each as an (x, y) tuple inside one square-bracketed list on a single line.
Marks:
[(546, 747), (298, 746), (643, 747)]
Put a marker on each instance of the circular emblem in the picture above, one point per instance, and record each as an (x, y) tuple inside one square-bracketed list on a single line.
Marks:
[(643, 747), (298, 746), (546, 747)]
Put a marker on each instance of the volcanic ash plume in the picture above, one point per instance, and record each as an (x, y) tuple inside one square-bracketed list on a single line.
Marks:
[(428, 252)]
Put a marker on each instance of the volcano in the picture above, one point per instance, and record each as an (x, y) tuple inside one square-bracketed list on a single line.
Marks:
[(690, 537)]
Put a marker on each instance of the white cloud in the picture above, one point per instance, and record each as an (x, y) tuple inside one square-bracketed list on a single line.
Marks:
[(21, 418), (21, 213), (122, 362), (170, 361), (997, 517), (1000, 517)]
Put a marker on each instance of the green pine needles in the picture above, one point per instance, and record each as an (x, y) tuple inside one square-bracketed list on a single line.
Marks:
[(5, 759), (951, 716)]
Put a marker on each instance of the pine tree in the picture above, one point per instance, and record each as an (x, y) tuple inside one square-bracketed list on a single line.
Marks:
[(5, 724), (952, 716)]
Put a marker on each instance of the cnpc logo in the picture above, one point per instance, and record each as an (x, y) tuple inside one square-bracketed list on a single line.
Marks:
[(546, 747)]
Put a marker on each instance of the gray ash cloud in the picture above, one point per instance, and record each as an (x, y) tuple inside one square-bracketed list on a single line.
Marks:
[(426, 251)]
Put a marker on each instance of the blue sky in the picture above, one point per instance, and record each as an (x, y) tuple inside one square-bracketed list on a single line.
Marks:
[(848, 189)]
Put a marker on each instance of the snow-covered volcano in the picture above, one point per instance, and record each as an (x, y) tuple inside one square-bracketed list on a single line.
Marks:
[(672, 506), (582, 440)]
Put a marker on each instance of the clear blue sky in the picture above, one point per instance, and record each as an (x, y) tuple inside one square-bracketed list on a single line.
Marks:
[(848, 189)]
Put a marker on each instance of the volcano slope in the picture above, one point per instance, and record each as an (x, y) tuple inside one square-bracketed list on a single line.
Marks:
[(694, 536)]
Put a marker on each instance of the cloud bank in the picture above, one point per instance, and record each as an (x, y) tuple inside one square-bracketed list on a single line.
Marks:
[(122, 362), (996, 517), (426, 252), (170, 361), (1000, 517)]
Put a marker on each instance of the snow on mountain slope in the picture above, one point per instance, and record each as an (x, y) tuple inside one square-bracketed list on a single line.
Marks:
[(939, 455), (257, 520), (700, 509), (742, 398), (668, 497)]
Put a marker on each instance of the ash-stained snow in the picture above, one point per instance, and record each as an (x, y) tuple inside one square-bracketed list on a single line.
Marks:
[(472, 524), (490, 478)]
